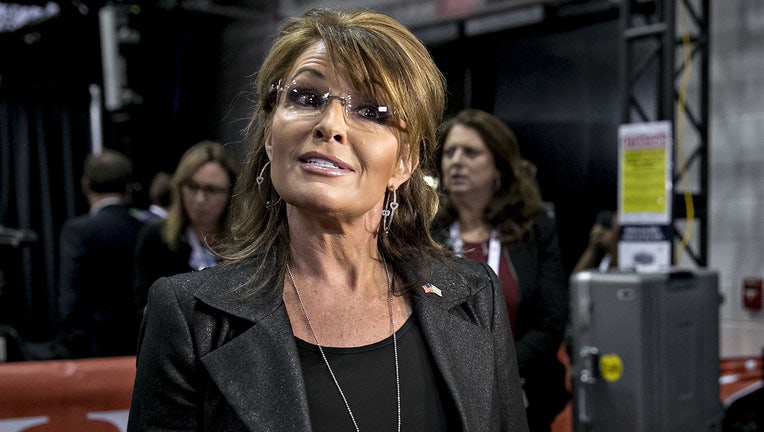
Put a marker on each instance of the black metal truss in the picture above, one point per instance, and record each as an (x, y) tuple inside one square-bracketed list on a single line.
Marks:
[(662, 40)]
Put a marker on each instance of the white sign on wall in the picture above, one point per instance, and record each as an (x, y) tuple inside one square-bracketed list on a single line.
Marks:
[(644, 194)]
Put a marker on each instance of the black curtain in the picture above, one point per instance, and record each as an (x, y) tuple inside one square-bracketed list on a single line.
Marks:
[(44, 139), (46, 71)]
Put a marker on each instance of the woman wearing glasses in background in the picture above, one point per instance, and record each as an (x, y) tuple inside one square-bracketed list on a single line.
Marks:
[(201, 193), (334, 309)]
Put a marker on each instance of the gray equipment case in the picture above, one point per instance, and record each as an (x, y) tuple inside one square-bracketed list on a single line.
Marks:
[(645, 351)]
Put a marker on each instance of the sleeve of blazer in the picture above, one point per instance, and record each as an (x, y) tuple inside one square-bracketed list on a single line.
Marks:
[(164, 395), (546, 313)]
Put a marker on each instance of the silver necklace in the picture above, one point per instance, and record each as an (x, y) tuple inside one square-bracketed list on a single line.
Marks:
[(321, 349)]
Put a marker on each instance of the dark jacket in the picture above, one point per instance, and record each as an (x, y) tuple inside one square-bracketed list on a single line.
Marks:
[(542, 316), (211, 362), (95, 293), (154, 259)]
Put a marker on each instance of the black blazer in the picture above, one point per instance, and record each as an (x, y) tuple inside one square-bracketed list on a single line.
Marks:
[(95, 293), (542, 317), (212, 362)]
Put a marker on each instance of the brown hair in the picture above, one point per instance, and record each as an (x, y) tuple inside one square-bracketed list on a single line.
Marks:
[(518, 199), (108, 172)]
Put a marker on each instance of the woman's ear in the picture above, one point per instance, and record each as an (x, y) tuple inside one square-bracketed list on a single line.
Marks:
[(403, 171), (268, 148)]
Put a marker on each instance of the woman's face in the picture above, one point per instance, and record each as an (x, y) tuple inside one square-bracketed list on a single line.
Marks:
[(332, 149), (467, 164), (205, 195)]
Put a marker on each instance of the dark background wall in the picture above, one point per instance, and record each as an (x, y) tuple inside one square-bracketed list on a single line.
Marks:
[(556, 84)]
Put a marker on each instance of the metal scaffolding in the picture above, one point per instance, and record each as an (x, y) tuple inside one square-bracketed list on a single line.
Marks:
[(665, 74)]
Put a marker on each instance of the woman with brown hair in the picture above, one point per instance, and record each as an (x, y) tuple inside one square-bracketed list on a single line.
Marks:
[(334, 309), (493, 212)]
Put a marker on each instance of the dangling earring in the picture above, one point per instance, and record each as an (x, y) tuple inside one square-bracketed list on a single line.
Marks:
[(259, 180), (391, 204)]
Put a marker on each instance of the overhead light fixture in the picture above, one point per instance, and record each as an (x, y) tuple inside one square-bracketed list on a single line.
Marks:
[(14, 16)]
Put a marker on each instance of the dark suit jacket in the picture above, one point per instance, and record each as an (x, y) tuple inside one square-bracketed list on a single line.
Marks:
[(542, 317), (211, 362), (95, 274)]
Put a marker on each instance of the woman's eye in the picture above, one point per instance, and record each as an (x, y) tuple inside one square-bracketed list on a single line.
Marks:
[(304, 97), (471, 152), (376, 113)]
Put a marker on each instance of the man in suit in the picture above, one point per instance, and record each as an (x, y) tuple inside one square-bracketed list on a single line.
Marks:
[(96, 263)]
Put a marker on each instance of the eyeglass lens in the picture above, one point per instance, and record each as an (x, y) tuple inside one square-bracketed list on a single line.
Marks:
[(311, 98), (206, 189)]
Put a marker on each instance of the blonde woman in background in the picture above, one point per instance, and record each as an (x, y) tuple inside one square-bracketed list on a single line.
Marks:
[(201, 194)]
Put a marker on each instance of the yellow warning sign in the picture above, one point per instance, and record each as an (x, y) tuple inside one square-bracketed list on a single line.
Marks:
[(611, 367), (644, 173)]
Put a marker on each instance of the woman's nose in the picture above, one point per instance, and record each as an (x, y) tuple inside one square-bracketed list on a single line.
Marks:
[(199, 195), (456, 156), (333, 121)]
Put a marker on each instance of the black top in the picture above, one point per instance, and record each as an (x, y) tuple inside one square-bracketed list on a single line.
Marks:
[(367, 377)]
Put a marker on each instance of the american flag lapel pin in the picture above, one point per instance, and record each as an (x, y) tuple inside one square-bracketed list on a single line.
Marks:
[(432, 289)]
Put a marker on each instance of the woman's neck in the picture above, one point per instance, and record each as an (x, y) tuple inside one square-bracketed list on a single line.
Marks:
[(474, 232), (343, 255), (342, 281), (472, 226), (205, 234)]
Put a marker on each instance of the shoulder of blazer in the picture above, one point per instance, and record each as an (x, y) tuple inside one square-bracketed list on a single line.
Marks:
[(223, 287), (457, 279)]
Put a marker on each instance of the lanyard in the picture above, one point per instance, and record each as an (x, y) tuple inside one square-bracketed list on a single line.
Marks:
[(494, 246)]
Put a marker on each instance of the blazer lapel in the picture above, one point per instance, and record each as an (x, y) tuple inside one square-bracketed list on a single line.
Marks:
[(258, 373), (463, 354), (522, 257)]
